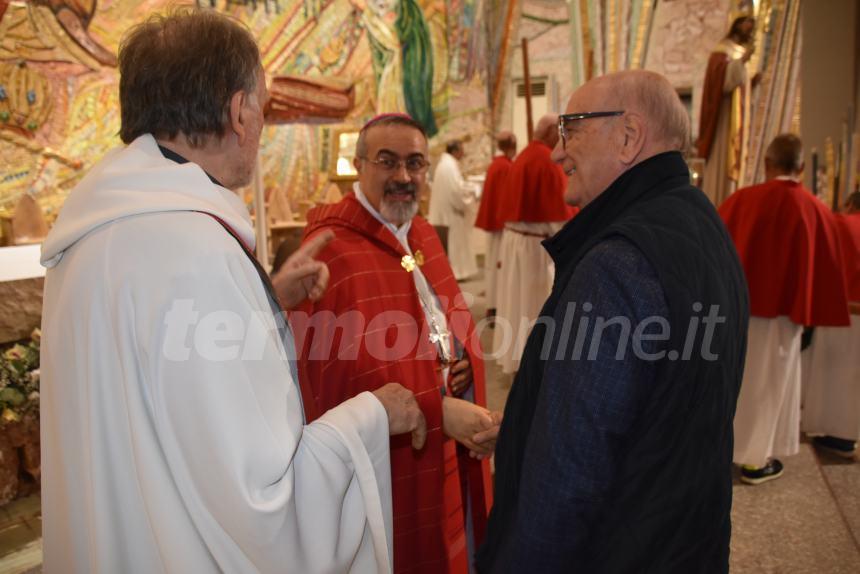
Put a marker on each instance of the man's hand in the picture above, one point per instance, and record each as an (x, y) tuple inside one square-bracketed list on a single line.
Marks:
[(302, 277), (473, 426), (403, 413), (461, 376), (487, 439)]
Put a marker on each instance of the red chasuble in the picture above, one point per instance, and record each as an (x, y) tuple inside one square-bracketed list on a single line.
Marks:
[(369, 329), (488, 213), (535, 188), (712, 96), (788, 244), (848, 226)]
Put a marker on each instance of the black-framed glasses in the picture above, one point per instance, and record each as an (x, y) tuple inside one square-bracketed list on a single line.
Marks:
[(414, 165), (564, 119)]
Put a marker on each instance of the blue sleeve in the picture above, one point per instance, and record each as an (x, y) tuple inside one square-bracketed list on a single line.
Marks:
[(592, 392)]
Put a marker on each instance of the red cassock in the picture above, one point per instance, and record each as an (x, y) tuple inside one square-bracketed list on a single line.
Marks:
[(848, 226), (788, 244), (368, 330), (488, 217), (535, 188)]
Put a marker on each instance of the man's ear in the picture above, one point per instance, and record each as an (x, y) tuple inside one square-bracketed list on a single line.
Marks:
[(356, 163), (634, 137), (237, 121)]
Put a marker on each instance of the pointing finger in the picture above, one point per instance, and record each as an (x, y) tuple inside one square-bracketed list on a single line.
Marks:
[(316, 244)]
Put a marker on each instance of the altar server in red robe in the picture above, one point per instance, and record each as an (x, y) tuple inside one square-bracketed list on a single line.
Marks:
[(488, 217), (831, 406), (532, 209), (788, 243), (394, 312)]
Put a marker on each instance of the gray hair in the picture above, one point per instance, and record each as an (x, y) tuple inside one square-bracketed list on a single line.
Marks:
[(653, 96), (785, 153)]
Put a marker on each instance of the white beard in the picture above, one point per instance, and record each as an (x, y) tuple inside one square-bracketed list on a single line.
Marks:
[(398, 212)]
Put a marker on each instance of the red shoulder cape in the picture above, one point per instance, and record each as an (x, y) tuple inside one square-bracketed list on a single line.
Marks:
[(369, 330), (535, 187), (488, 213), (712, 95), (848, 226), (788, 244)]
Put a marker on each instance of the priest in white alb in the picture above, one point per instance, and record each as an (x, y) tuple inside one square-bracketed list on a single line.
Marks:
[(173, 432), (451, 205)]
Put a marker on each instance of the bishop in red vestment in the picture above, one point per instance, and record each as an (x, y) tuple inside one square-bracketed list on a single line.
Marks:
[(394, 313), (788, 244)]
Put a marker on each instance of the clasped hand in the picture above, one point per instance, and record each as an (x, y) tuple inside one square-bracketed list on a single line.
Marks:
[(471, 425)]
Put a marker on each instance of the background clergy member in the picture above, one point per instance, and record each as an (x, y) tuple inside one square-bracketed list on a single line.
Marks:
[(489, 218), (788, 244), (451, 204), (831, 406), (395, 312), (532, 209), (164, 449)]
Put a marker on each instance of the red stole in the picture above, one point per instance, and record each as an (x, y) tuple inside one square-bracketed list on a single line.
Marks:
[(848, 226), (535, 188), (712, 96), (788, 244), (488, 217), (369, 329)]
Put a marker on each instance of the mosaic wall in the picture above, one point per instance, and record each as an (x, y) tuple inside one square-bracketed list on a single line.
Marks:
[(58, 81)]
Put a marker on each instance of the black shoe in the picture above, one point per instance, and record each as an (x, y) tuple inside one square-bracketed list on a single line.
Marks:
[(770, 471), (835, 445)]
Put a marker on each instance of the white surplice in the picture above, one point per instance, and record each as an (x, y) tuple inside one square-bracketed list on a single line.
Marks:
[(523, 283), (451, 204), (831, 403), (173, 436), (767, 419), (491, 268)]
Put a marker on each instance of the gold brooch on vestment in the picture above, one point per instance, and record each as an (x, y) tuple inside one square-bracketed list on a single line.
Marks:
[(409, 262)]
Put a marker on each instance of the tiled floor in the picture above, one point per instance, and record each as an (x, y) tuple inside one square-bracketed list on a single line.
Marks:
[(20, 535), (808, 521)]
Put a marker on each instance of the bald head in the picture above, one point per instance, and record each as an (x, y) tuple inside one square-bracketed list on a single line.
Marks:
[(784, 156), (615, 122), (547, 130)]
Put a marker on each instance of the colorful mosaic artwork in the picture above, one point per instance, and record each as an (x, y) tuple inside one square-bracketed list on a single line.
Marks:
[(59, 112)]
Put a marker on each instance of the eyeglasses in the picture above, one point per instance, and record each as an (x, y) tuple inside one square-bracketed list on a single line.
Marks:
[(564, 119), (413, 165)]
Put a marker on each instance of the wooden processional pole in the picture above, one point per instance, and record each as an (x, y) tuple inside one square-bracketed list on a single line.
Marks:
[(528, 86)]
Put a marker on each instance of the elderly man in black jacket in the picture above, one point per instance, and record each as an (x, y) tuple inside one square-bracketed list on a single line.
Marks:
[(615, 452)]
